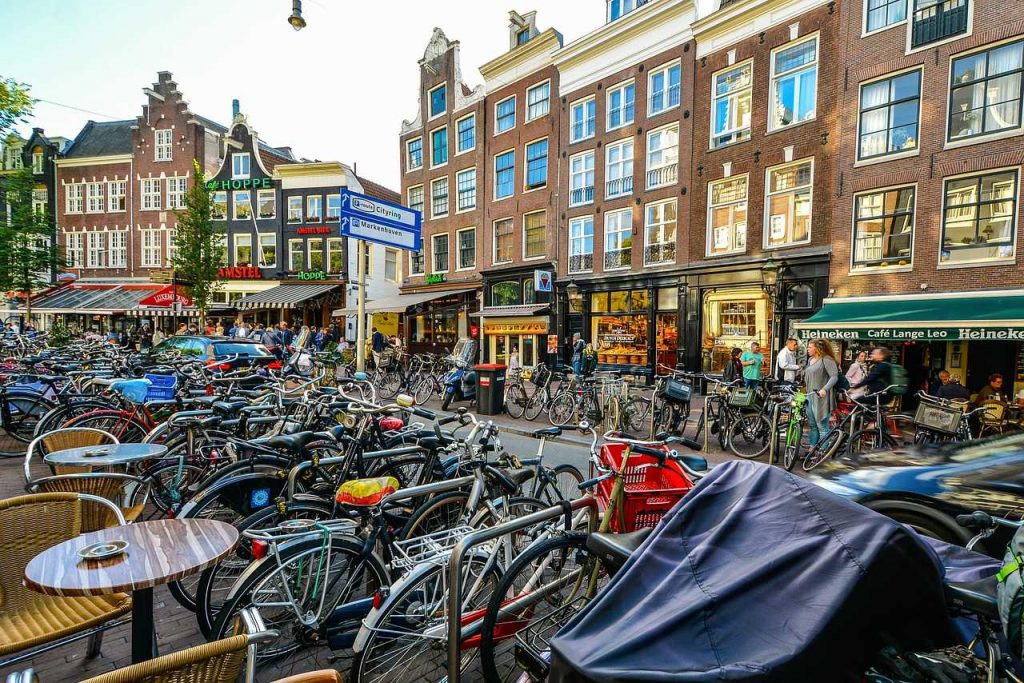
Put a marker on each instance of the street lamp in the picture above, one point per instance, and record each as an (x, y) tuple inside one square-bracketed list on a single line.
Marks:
[(770, 278), (296, 20), (572, 292)]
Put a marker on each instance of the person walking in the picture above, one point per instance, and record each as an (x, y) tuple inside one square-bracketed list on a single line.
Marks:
[(856, 373), (577, 353), (589, 360), (733, 368), (158, 337), (513, 360), (786, 367), (752, 361), (820, 377), (377, 346), (145, 338)]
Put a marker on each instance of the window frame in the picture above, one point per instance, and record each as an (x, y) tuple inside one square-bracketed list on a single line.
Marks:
[(607, 233), (235, 205), (1015, 215), (512, 167), (292, 251), (315, 245), (117, 254), (447, 201), (151, 182), (289, 205), (632, 167), (408, 154), (96, 249), (510, 221), (910, 48), (423, 197), (541, 84), (715, 97), (593, 177), (117, 189), (773, 77), (328, 217), (180, 187), (167, 145), (38, 160), (332, 245), (90, 197), (214, 202), (447, 253), (262, 261), (422, 260), (862, 267), (543, 231), (581, 220), (310, 218), (430, 101), (660, 130), (259, 204), (459, 149), (583, 102), (497, 118), (665, 68), (156, 247), (74, 196), (618, 87), (949, 142), (661, 226), (458, 247), (860, 115), (447, 150), (458, 190), (397, 254), (711, 206), (766, 230), (865, 31), (235, 238), (74, 246), (236, 172), (526, 164)]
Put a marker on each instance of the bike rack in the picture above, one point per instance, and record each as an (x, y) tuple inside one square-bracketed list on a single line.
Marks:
[(483, 536)]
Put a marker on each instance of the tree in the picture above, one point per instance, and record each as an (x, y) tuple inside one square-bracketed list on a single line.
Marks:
[(28, 254), (198, 247), (15, 104)]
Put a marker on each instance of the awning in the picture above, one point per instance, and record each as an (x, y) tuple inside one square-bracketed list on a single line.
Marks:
[(283, 296), (398, 303), (929, 317), (94, 299), (512, 311)]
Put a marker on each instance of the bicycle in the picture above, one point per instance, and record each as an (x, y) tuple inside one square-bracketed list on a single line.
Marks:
[(519, 402), (789, 420), (846, 433)]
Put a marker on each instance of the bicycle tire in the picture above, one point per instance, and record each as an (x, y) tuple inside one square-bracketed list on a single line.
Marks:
[(567, 479), (791, 451), (535, 404), (65, 411), (749, 436), (868, 441), (117, 422), (823, 450), (424, 390), (30, 408), (437, 513), (562, 410), (515, 401)]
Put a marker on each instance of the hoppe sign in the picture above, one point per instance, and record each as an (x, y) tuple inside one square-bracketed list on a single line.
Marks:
[(917, 334)]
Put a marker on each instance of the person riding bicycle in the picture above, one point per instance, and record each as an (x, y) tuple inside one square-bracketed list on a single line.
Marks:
[(879, 377)]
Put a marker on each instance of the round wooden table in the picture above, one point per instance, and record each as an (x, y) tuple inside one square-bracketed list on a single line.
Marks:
[(114, 454), (158, 552)]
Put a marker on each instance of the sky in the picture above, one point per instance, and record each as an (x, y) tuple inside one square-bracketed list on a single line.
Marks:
[(337, 90)]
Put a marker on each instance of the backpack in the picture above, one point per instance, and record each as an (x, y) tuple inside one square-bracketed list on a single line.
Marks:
[(899, 378), (1010, 593)]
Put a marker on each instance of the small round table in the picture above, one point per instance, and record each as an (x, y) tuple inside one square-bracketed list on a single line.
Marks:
[(115, 454), (160, 551)]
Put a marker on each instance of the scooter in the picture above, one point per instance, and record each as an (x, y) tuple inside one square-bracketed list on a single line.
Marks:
[(459, 383)]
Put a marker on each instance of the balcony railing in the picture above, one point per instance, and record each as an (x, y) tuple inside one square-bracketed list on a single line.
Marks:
[(583, 129), (665, 175), (942, 20), (581, 263), (618, 258), (620, 116), (618, 186), (663, 99), (665, 252), (581, 195)]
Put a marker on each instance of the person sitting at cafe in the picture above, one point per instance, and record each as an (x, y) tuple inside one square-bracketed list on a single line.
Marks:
[(993, 391), (951, 389)]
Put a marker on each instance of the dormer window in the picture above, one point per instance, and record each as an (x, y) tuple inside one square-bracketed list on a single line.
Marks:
[(240, 165), (37, 162), (523, 36), (617, 8), (438, 101)]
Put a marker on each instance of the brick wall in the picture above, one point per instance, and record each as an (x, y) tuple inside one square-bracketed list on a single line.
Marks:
[(103, 222)]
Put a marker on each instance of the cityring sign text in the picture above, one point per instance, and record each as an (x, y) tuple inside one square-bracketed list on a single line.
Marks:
[(916, 334)]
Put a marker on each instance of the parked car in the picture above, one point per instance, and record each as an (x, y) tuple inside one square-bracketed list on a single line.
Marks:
[(209, 348), (926, 487)]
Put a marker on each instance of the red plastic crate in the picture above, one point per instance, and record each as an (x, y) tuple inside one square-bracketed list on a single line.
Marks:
[(651, 489)]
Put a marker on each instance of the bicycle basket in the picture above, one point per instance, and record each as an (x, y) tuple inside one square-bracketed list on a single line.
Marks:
[(161, 387), (743, 397), (540, 375), (679, 391), (938, 418), (650, 489)]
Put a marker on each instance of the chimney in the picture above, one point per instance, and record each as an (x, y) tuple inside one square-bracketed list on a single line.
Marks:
[(37, 130), (234, 109)]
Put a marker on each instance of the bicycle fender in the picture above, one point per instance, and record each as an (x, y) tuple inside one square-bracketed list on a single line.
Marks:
[(370, 622)]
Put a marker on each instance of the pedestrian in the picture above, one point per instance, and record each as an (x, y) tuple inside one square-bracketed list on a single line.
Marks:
[(271, 338), (256, 332), (321, 339), (513, 360), (856, 373), (145, 338), (158, 337), (335, 333), (577, 353), (377, 345), (220, 329), (786, 367), (820, 377), (589, 360), (182, 329), (733, 367), (396, 342), (752, 362), (879, 376)]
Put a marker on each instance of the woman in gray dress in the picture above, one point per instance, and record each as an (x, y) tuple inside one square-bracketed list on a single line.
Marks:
[(820, 377)]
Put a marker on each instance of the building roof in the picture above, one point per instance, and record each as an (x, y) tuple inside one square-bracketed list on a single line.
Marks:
[(102, 138), (379, 191)]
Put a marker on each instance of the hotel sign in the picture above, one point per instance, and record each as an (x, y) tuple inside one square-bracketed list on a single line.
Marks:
[(916, 334), (315, 230), (240, 184)]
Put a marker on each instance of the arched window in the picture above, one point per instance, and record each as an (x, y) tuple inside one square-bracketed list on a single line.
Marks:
[(505, 293), (799, 297)]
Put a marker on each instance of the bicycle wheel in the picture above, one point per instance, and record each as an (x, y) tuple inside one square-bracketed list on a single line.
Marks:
[(566, 482), (792, 445), (749, 436), (515, 401), (117, 422), (562, 410), (535, 404), (824, 449), (869, 441), (634, 414), (613, 414), (424, 390), (440, 512), (22, 413), (389, 383)]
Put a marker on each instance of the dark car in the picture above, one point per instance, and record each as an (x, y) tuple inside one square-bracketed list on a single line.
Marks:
[(209, 348), (927, 487)]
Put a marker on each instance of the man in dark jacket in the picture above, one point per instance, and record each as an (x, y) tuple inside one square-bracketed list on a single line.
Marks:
[(880, 375), (378, 343), (951, 389)]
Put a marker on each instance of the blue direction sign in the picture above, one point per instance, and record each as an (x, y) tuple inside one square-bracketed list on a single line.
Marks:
[(375, 220)]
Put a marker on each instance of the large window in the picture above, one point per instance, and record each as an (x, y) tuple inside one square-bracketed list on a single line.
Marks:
[(176, 189), (316, 253), (116, 191), (94, 197), (465, 183), (731, 105), (152, 248), (660, 229), (581, 244), (73, 249), (985, 94), (881, 14), (295, 209), (268, 250), (335, 255), (538, 101), (416, 262), (151, 199), (505, 174), (439, 250), (534, 234), (438, 101), (333, 207), (119, 249), (241, 201), (438, 197), (467, 248), (937, 20), (439, 147), (504, 240), (537, 164), (505, 115), (788, 205), (163, 145), (621, 105), (618, 171), (980, 218), (243, 250), (582, 119), (314, 208), (240, 165), (883, 230), (663, 89), (219, 206), (392, 272), (414, 154), (662, 156), (416, 198), (74, 197), (296, 255), (619, 329), (618, 239), (465, 130), (727, 216), (97, 250), (889, 114), (581, 178), (794, 84)]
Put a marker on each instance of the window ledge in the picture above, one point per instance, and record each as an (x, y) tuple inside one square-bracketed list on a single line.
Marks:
[(792, 126), (609, 129), (463, 270), (928, 46), (875, 270), (651, 114), (502, 132), (788, 245), (432, 167), (888, 157), (989, 137), (729, 145), (469, 210), (535, 189), (615, 270), (465, 151), (609, 197), (589, 137), (580, 272), (534, 258), (977, 264), (866, 34)]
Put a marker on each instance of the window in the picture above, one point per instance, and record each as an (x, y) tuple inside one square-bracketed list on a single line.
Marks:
[(97, 250), (439, 249), (335, 255), (414, 154), (620, 105), (979, 219), (660, 227), (883, 228), (663, 89), (884, 13), (616, 8), (731, 105), (535, 229), (151, 199), (116, 191), (220, 245), (505, 115), (333, 208), (163, 145), (537, 164), (618, 239), (243, 250), (504, 174), (391, 270), (467, 248), (368, 260), (315, 248), (985, 95), (581, 244), (937, 19), (794, 84), (152, 248), (438, 101), (538, 101), (465, 182), (240, 165), (523, 37), (788, 205), (439, 197), (219, 206), (505, 293), (662, 156), (171, 249), (267, 203), (119, 249), (295, 209), (439, 147), (314, 208), (618, 169), (176, 188), (582, 119), (268, 250), (416, 262), (241, 201), (37, 162), (296, 255), (581, 178), (416, 198), (727, 216), (73, 249), (94, 197), (504, 231), (39, 202), (74, 197), (465, 134), (889, 112), (12, 158)]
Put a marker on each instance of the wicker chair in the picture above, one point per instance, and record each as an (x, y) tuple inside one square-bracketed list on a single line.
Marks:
[(58, 440), (993, 418), (322, 676), (129, 493), (31, 623)]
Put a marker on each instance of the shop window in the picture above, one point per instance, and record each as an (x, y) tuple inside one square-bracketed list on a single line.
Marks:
[(505, 293), (581, 244), (979, 218), (434, 327), (794, 84), (599, 302), (315, 247), (733, 320), (243, 250), (789, 205), (668, 299), (884, 228), (799, 297), (731, 105), (985, 94), (620, 334), (667, 339)]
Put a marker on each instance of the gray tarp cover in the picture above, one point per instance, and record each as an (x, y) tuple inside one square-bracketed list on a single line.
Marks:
[(758, 575)]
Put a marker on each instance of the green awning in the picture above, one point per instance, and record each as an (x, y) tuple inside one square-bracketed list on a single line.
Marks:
[(929, 317)]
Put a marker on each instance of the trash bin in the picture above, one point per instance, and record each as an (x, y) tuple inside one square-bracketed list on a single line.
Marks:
[(490, 388)]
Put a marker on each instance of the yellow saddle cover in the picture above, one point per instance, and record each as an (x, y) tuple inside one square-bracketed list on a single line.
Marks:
[(366, 492)]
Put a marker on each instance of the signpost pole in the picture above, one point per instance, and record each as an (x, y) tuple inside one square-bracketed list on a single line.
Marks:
[(361, 307), (174, 300)]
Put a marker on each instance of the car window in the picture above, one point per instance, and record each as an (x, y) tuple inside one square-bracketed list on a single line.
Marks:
[(231, 348)]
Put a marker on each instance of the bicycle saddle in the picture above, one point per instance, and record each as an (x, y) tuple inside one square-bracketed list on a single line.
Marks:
[(510, 480), (228, 408), (291, 442), (547, 431), (975, 596), (696, 463), (615, 549)]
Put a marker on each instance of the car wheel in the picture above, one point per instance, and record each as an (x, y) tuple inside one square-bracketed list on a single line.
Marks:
[(924, 520)]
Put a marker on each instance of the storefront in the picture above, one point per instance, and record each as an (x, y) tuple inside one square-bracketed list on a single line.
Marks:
[(101, 307), (524, 331), (297, 303)]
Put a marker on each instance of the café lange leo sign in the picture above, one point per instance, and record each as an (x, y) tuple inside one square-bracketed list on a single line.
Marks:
[(917, 333)]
